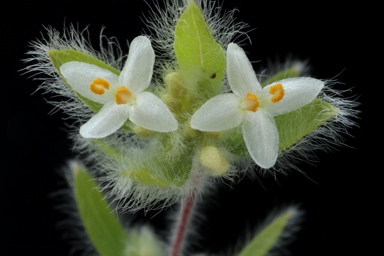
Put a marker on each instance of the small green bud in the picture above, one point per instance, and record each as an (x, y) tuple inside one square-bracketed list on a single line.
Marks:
[(214, 160)]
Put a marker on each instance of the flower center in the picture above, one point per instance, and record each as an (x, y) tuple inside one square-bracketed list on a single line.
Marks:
[(277, 92), (98, 86), (251, 102), (122, 95)]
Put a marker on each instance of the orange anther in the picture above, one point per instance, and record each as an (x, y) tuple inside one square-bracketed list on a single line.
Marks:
[(277, 92), (122, 95), (98, 86), (251, 102)]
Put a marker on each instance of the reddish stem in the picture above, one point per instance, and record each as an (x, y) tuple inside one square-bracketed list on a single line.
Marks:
[(183, 221)]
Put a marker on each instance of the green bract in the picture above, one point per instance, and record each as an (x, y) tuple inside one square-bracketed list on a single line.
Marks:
[(295, 125), (200, 58), (269, 236)]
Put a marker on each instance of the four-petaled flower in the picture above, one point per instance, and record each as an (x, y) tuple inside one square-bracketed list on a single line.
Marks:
[(123, 97), (254, 107)]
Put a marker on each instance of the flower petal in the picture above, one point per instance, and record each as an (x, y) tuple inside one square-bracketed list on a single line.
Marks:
[(261, 138), (79, 75), (151, 113), (241, 76), (298, 92), (108, 120), (220, 113), (137, 72)]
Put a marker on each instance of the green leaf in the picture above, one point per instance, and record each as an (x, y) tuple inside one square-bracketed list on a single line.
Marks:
[(199, 56), (101, 224), (269, 236), (295, 125)]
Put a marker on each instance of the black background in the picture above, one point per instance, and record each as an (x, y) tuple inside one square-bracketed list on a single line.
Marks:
[(332, 195)]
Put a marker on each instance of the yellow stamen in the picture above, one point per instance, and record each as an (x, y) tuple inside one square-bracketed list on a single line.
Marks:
[(122, 95), (277, 92), (98, 86), (251, 102)]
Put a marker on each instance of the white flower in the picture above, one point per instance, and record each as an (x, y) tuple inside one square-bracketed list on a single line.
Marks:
[(123, 96), (254, 107)]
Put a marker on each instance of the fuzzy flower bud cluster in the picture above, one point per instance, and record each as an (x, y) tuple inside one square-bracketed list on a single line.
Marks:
[(157, 127)]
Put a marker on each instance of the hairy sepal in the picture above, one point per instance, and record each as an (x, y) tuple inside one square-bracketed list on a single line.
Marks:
[(145, 166)]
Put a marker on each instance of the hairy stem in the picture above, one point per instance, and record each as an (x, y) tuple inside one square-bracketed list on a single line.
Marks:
[(183, 222), (185, 216)]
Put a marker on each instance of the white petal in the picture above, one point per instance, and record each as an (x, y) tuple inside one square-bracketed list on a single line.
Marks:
[(137, 72), (108, 120), (241, 76), (220, 113), (298, 92), (261, 138), (79, 75), (152, 114)]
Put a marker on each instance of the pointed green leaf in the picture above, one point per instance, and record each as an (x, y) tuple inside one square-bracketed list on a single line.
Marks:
[(198, 55), (295, 125), (269, 236), (99, 220)]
